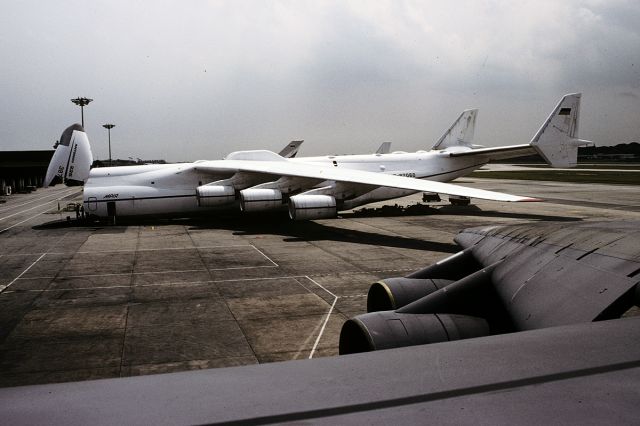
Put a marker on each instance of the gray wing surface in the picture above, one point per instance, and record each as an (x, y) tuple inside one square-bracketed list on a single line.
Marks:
[(507, 279), (578, 374)]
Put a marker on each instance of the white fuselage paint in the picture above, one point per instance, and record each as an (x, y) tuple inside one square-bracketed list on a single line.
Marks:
[(171, 188)]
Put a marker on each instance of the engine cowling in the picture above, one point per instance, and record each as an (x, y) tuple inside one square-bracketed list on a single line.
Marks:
[(393, 293), (386, 330), (260, 199), (215, 195), (309, 207)]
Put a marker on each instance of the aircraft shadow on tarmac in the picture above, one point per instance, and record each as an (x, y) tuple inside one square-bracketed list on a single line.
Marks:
[(470, 210), (476, 211), (265, 224), (315, 231), (278, 224)]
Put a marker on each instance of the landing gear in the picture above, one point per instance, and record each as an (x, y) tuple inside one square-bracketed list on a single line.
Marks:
[(430, 197), (459, 201)]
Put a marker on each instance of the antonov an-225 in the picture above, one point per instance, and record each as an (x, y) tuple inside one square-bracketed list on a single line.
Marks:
[(311, 187)]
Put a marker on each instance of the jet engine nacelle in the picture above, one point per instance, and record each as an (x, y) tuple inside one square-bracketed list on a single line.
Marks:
[(386, 330), (309, 207), (457, 310), (393, 293), (215, 195), (260, 199)]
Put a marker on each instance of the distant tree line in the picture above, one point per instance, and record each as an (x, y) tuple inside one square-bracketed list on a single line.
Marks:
[(624, 152), (119, 162)]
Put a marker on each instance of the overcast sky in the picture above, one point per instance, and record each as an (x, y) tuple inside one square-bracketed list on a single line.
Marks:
[(187, 80)]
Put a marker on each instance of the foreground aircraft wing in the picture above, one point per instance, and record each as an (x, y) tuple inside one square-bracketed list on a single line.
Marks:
[(272, 164), (578, 374)]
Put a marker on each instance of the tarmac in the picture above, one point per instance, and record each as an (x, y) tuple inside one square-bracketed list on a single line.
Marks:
[(82, 302)]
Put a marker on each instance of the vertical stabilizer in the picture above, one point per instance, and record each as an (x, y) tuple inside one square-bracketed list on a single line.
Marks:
[(557, 140), (72, 158), (384, 148), (461, 131), (291, 150)]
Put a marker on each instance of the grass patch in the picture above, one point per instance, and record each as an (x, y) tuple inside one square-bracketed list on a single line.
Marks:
[(620, 166), (577, 176)]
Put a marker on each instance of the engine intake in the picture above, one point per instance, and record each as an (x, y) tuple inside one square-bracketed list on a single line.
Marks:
[(260, 199), (309, 207), (393, 293), (215, 195)]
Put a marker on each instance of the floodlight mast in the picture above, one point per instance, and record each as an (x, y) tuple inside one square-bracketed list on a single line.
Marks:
[(109, 127), (82, 102)]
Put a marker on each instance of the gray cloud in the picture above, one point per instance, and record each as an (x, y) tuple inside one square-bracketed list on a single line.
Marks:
[(201, 79)]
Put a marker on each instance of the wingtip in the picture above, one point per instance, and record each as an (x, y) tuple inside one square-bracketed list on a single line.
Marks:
[(531, 200)]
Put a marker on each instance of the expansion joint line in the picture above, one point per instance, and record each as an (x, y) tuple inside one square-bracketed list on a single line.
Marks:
[(126, 317)]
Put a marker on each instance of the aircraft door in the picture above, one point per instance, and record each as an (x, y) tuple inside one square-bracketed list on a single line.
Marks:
[(92, 204), (111, 212)]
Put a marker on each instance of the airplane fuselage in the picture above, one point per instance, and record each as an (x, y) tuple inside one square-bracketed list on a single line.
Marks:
[(170, 189), (310, 188)]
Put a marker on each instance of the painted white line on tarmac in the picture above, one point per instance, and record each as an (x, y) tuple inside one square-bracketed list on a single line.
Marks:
[(128, 250), (326, 320), (57, 194), (265, 256), (39, 205), (3, 288), (21, 222)]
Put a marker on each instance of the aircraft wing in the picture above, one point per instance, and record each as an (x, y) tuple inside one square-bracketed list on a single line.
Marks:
[(578, 374), (272, 164), (558, 274), (507, 278)]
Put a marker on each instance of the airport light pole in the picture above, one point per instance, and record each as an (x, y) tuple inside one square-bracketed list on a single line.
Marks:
[(82, 102), (109, 127)]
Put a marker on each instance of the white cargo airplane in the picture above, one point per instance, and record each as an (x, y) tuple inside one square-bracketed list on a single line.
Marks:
[(311, 187)]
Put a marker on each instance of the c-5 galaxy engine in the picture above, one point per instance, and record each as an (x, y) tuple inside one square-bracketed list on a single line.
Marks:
[(508, 278), (449, 300)]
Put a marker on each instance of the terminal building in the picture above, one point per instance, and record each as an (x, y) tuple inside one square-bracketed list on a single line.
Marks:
[(23, 171)]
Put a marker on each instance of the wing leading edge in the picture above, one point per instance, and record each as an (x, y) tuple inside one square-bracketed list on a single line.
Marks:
[(283, 167)]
